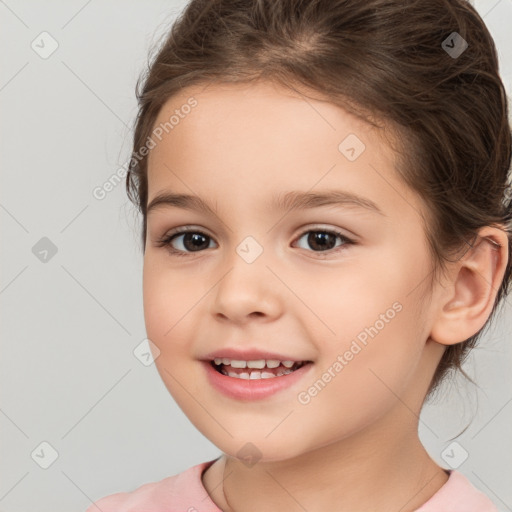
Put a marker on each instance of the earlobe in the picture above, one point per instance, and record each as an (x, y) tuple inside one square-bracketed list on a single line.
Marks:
[(465, 303)]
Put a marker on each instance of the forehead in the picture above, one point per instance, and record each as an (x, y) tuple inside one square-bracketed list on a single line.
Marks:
[(253, 106), (251, 136), (260, 112)]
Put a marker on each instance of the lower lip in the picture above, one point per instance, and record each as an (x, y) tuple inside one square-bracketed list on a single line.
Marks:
[(253, 389)]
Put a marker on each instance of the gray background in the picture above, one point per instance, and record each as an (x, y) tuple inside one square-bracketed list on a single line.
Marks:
[(70, 324)]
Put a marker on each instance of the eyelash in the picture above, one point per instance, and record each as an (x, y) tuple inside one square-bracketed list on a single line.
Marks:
[(166, 240)]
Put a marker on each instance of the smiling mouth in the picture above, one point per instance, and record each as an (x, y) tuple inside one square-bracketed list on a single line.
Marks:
[(256, 369)]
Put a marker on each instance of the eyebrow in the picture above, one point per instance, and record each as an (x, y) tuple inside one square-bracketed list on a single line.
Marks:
[(293, 200)]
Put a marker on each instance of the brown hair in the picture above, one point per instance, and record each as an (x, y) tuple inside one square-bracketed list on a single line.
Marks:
[(379, 59)]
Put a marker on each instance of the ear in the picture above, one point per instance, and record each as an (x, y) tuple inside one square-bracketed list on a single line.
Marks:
[(466, 302)]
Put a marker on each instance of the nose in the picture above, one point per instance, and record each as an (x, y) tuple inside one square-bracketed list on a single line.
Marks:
[(248, 291)]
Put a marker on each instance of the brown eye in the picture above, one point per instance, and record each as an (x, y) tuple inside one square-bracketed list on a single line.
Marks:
[(193, 241), (324, 240), (185, 241)]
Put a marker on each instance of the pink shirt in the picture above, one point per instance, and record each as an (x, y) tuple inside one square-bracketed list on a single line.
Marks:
[(185, 492)]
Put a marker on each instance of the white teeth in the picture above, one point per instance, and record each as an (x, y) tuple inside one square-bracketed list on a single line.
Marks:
[(279, 368), (255, 363), (259, 363)]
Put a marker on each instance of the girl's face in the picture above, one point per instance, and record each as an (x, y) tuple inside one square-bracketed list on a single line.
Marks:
[(259, 275)]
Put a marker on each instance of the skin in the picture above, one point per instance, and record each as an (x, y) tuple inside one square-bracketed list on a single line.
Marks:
[(354, 446)]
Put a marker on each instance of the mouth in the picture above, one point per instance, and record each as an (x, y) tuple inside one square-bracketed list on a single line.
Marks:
[(256, 369)]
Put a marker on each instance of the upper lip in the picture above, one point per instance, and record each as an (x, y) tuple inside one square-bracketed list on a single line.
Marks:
[(249, 354)]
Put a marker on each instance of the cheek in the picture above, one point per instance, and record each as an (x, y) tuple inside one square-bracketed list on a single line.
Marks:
[(373, 346), (379, 361), (346, 396), (167, 298), (171, 301), (343, 304)]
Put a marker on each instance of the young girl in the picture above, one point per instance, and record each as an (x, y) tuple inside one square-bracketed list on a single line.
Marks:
[(326, 231)]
